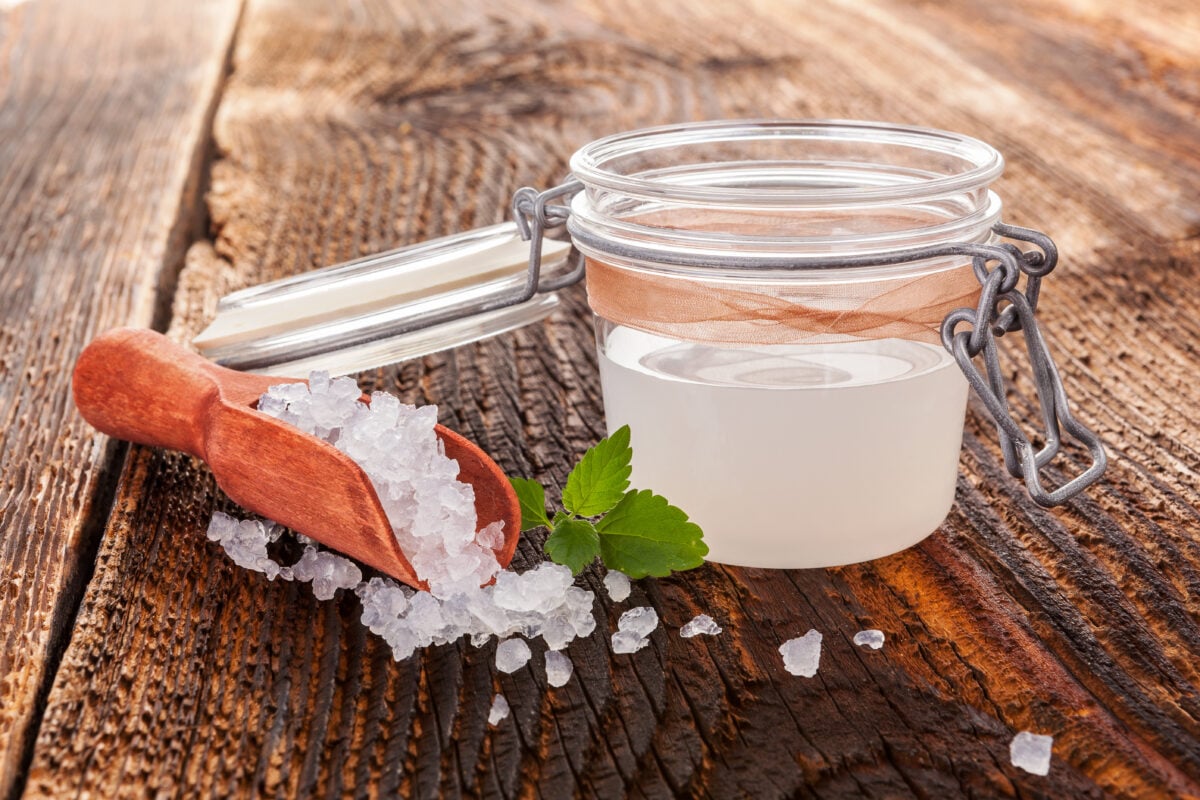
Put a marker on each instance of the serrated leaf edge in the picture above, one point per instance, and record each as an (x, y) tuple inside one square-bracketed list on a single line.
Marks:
[(619, 443)]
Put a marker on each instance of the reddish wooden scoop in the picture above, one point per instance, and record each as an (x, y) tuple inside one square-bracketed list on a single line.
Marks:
[(138, 385)]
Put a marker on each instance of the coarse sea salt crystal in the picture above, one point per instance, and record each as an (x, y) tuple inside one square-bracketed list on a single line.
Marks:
[(641, 621), (498, 711), (1031, 752), (534, 591), (327, 572), (245, 541), (802, 655), (558, 632), (492, 536), (628, 642), (558, 668), (425, 619), (511, 655), (617, 585), (634, 629), (869, 638), (383, 603), (701, 624)]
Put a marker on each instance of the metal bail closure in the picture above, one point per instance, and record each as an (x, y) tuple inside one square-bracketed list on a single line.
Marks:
[(987, 324), (534, 215)]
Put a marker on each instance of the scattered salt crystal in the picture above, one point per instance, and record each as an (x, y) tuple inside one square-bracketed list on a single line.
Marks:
[(558, 668), (870, 638), (511, 655), (641, 621), (403, 643), (498, 711), (1031, 752), (617, 585), (327, 571), (634, 629), (245, 541), (628, 642), (701, 624), (802, 656)]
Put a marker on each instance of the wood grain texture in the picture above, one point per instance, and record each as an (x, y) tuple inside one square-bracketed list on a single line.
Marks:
[(104, 116), (343, 132)]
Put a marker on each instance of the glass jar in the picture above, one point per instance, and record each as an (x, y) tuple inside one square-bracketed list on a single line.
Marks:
[(799, 407)]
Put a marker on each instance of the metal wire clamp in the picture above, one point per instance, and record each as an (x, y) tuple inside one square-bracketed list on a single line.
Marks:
[(535, 214)]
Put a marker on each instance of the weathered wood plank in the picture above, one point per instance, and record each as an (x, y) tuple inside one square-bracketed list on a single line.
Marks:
[(104, 118), (345, 132)]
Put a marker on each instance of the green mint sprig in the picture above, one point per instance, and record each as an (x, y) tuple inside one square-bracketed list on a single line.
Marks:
[(636, 532)]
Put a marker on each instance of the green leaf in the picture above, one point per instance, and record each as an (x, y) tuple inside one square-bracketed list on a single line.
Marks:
[(533, 503), (573, 543), (601, 476), (646, 535)]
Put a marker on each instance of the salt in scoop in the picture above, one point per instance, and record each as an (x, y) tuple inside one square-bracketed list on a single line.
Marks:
[(137, 385)]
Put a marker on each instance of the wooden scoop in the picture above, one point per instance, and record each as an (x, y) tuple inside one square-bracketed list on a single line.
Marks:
[(137, 385)]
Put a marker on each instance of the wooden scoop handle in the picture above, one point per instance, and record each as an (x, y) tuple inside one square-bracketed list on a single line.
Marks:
[(138, 385)]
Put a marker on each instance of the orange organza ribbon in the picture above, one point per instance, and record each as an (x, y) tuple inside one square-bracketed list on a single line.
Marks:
[(739, 312)]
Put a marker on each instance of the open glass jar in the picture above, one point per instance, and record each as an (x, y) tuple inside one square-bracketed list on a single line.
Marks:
[(803, 417), (779, 311)]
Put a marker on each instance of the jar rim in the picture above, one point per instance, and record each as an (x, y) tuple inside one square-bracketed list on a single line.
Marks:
[(982, 162)]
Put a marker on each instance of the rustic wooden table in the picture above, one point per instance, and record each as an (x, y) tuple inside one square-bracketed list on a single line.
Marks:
[(154, 156)]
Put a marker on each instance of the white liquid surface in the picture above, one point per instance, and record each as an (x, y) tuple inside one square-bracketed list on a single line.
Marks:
[(792, 456)]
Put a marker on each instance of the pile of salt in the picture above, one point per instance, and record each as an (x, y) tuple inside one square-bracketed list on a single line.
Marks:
[(431, 512), (540, 602), (433, 515), (327, 572), (245, 541)]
